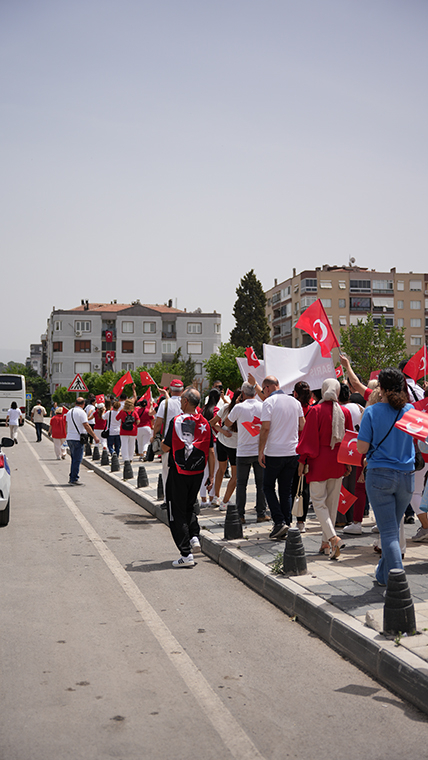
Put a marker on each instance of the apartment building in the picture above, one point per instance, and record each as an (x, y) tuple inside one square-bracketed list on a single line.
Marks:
[(96, 337), (348, 295)]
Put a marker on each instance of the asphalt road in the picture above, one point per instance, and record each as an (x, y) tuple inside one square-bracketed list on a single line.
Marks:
[(109, 652)]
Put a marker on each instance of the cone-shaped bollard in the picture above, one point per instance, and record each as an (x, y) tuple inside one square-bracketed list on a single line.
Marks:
[(88, 450), (398, 611), (127, 470), (160, 494), (142, 479), (114, 465), (96, 454), (232, 523), (294, 562), (104, 458)]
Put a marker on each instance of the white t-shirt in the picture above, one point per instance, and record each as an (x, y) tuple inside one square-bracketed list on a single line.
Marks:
[(79, 416), (38, 413), (248, 445), (356, 412), (174, 408), (283, 412), (14, 416), (231, 442), (90, 409), (417, 390), (114, 426)]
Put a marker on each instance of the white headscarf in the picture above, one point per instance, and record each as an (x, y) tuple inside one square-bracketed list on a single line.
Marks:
[(330, 391)]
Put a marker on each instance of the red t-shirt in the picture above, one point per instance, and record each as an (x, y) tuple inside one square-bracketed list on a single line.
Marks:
[(58, 426), (98, 419), (122, 416), (144, 417)]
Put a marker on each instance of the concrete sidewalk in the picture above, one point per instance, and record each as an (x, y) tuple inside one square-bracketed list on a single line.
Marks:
[(333, 599)]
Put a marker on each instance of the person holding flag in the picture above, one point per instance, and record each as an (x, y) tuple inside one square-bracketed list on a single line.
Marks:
[(144, 409)]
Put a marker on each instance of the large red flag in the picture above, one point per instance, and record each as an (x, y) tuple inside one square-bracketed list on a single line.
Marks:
[(251, 357), (415, 423), (125, 380), (346, 501), (348, 453), (147, 396), (146, 379), (416, 367), (314, 321)]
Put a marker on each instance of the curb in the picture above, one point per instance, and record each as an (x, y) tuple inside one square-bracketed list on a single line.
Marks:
[(396, 667)]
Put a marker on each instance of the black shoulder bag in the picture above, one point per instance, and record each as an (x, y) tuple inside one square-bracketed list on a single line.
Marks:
[(105, 433)]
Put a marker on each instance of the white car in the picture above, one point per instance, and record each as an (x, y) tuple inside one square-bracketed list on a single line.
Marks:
[(4, 482)]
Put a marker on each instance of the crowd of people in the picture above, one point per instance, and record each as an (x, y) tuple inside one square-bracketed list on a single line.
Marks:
[(290, 442)]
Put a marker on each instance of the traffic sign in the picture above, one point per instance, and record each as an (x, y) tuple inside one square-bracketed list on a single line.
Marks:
[(77, 386), (29, 396)]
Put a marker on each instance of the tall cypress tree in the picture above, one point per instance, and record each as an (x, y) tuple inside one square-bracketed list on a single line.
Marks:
[(251, 327)]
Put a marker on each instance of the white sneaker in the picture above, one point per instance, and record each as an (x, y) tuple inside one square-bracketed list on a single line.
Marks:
[(195, 544), (223, 507), (184, 561), (354, 529), (421, 534), (375, 529), (301, 526), (215, 501)]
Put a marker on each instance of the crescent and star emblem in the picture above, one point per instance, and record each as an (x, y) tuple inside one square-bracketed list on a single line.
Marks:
[(324, 331)]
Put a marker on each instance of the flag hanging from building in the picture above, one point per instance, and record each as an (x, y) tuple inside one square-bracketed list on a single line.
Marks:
[(314, 321), (416, 367), (124, 380)]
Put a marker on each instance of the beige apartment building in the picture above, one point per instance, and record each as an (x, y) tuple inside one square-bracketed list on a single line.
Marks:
[(348, 295)]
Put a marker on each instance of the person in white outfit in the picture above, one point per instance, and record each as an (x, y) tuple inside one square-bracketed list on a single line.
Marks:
[(13, 417)]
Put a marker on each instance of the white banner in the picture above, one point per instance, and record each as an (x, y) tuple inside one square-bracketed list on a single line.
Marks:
[(245, 370), (291, 365)]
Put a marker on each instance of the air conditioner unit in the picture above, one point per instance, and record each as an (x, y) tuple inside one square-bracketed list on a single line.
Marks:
[(97, 366), (78, 333)]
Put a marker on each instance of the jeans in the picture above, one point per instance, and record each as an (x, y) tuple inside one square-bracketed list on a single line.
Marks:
[(113, 442), (281, 469), (39, 428), (243, 467), (76, 453), (389, 492)]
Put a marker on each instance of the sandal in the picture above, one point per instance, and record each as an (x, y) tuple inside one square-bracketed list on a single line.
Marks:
[(324, 549), (335, 551)]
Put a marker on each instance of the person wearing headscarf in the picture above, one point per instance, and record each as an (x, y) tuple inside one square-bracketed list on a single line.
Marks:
[(318, 447)]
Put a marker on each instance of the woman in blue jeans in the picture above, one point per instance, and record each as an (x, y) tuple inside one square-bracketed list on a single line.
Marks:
[(390, 455)]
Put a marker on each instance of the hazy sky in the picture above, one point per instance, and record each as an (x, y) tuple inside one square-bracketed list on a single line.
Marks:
[(161, 149)]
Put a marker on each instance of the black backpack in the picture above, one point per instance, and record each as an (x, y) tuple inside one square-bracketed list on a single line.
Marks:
[(129, 422)]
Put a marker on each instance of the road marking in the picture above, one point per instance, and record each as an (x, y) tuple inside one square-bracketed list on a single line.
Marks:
[(234, 737)]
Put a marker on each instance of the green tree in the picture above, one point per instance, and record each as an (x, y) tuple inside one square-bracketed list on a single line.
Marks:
[(35, 384), (370, 347), (223, 366), (251, 327)]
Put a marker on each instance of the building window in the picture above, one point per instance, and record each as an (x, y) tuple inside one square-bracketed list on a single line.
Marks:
[(304, 303), (276, 297), (127, 327), (296, 307), (415, 304), (400, 322), (198, 368), (325, 284), (382, 285), (355, 319), (416, 340), (286, 327), (342, 321), (82, 347), (415, 285), (286, 292), (400, 304), (194, 327), (82, 326), (194, 348), (389, 321), (57, 345), (360, 304), (308, 286), (127, 365), (342, 303), (360, 286), (149, 346), (217, 328), (400, 285), (169, 347), (415, 323), (326, 302), (149, 327), (286, 309), (330, 319), (269, 319), (57, 325), (81, 367), (342, 284), (127, 347), (57, 368)]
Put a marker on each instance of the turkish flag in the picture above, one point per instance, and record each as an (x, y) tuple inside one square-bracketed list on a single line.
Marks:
[(109, 336), (314, 321), (415, 423), (100, 399), (421, 405), (110, 356), (346, 501), (251, 357), (348, 453), (147, 396), (253, 427), (416, 367), (339, 371), (125, 380), (229, 394), (146, 379)]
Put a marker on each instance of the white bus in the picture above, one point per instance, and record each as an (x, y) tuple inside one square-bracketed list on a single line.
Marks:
[(12, 388)]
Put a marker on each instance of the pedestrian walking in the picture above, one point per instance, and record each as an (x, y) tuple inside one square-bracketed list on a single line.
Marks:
[(58, 432), (37, 413), (78, 429), (167, 410), (128, 418), (113, 428), (14, 415)]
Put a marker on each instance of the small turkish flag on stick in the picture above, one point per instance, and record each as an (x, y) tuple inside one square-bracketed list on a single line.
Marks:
[(251, 357), (125, 380), (348, 453), (346, 501)]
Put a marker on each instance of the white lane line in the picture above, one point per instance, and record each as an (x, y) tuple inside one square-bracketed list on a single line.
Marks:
[(234, 737)]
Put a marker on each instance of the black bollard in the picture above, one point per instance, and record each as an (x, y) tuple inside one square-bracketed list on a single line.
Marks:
[(160, 494), (232, 523), (294, 562), (398, 611), (96, 454), (142, 479), (127, 470), (104, 458), (114, 466), (88, 450)]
